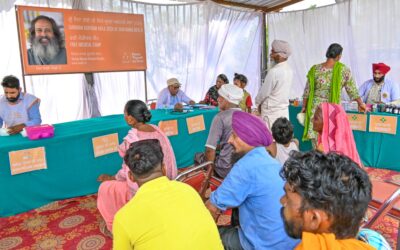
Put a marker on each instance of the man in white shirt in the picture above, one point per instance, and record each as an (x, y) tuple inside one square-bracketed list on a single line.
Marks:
[(272, 99), (172, 97)]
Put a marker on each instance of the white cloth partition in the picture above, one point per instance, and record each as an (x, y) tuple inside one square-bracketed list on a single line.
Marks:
[(368, 30), (193, 42)]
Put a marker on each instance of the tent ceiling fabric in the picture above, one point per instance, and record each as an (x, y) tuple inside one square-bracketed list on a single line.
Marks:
[(261, 5)]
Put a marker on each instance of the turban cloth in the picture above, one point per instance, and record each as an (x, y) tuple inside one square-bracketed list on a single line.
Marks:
[(231, 93), (251, 129), (383, 68), (282, 48)]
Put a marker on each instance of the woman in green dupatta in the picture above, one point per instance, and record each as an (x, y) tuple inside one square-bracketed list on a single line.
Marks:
[(324, 84)]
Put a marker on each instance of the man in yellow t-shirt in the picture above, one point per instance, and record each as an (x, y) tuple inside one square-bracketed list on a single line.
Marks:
[(163, 214), (326, 197)]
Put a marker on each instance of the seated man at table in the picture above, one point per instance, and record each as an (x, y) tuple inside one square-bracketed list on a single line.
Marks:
[(164, 214), (326, 197), (172, 97), (17, 109), (221, 128), (254, 186), (379, 89)]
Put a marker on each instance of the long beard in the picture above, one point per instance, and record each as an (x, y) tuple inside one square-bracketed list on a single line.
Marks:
[(46, 52)]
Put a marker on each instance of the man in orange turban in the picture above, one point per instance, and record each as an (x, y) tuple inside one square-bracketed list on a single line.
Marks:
[(379, 89)]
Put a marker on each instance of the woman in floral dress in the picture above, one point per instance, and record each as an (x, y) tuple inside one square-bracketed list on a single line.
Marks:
[(324, 84)]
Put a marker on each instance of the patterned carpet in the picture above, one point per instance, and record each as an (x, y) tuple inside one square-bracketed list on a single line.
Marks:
[(383, 174), (74, 224), (67, 224), (388, 227)]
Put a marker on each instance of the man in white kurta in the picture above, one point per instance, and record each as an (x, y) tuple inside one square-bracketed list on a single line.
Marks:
[(272, 99)]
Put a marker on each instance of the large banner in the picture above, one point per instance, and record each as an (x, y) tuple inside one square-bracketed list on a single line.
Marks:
[(56, 41)]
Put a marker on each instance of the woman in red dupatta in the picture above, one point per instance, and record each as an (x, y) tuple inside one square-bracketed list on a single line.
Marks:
[(334, 131)]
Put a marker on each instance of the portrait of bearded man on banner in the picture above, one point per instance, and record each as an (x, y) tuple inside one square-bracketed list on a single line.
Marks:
[(46, 42)]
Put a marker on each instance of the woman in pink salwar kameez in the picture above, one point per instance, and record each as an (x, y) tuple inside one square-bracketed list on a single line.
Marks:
[(116, 191)]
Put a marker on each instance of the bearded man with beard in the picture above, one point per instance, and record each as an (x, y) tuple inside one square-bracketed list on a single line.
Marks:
[(17, 109), (379, 89), (253, 186), (272, 99), (326, 197), (47, 43)]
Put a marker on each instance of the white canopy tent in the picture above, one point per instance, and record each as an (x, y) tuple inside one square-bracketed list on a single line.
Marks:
[(196, 41), (191, 41)]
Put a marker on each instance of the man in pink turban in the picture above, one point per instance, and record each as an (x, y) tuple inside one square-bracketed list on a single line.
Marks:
[(379, 89), (254, 187)]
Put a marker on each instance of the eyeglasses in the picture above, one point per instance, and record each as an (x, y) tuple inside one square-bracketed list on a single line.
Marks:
[(176, 87)]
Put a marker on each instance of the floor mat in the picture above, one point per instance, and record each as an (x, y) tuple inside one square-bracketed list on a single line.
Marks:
[(383, 174), (68, 224), (388, 227), (75, 224)]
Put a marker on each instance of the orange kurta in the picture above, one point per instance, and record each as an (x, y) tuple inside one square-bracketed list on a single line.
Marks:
[(312, 241)]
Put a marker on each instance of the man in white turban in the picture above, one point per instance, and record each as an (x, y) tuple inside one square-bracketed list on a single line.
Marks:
[(221, 128), (272, 99)]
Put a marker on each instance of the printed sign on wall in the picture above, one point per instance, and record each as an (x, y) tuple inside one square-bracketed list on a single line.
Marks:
[(383, 124), (105, 144), (170, 128), (73, 41), (358, 121), (27, 160), (195, 124)]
